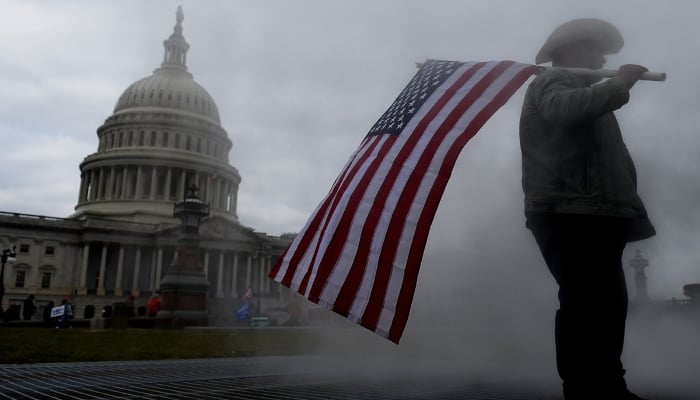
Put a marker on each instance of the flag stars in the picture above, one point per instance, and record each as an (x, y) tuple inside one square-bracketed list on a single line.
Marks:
[(432, 74)]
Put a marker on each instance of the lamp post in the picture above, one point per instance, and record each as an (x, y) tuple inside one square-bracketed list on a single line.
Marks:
[(639, 263), (8, 257), (259, 256), (191, 210), (184, 288)]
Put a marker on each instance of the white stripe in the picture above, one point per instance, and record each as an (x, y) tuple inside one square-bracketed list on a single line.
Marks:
[(341, 269), (293, 248), (334, 219), (401, 259), (362, 299), (409, 128)]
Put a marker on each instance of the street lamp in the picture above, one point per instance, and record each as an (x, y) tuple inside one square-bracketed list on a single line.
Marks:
[(191, 211), (259, 256), (9, 257), (639, 263)]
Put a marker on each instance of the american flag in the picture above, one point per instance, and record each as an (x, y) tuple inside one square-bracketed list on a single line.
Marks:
[(361, 249)]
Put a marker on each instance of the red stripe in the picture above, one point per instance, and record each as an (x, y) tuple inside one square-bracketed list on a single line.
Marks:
[(341, 193), (340, 236), (415, 255), (310, 231), (398, 218), (276, 268), (357, 271)]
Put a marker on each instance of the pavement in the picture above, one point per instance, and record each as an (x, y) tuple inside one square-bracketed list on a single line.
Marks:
[(289, 378)]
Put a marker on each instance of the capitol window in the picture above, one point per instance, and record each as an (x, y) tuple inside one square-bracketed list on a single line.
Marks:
[(165, 139), (177, 140), (141, 138), (153, 139), (46, 280), (19, 278)]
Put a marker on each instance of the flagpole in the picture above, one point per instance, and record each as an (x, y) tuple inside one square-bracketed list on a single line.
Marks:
[(611, 73), (601, 73)]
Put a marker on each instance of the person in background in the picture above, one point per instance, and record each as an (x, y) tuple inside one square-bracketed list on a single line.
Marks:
[(153, 305), (12, 312), (28, 308), (47, 312), (130, 305), (64, 320)]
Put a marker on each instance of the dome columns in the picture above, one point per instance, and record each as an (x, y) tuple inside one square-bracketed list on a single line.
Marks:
[(143, 182)]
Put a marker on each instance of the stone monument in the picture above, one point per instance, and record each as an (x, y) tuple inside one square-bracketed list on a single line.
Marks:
[(184, 288)]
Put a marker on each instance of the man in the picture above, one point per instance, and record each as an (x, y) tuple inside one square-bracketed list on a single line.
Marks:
[(581, 202), (28, 308)]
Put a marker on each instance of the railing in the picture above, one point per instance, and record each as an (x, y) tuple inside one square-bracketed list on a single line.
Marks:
[(37, 219), (77, 223)]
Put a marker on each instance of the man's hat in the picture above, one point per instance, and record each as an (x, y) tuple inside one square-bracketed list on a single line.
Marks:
[(599, 31)]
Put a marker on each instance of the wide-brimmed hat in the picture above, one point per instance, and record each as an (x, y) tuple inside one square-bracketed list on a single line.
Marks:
[(602, 32)]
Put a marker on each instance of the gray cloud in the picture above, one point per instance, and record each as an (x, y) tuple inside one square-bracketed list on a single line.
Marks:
[(299, 83)]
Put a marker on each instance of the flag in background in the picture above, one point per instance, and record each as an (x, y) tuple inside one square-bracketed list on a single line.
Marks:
[(361, 249)]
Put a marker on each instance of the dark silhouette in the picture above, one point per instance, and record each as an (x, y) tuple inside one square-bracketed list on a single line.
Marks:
[(141, 311), (47, 311), (12, 312), (28, 308), (89, 311), (581, 203), (130, 305)]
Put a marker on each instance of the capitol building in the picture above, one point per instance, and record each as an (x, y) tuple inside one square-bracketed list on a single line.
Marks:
[(163, 136)]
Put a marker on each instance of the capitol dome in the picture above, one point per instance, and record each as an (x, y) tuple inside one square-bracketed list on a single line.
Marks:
[(169, 88), (164, 135)]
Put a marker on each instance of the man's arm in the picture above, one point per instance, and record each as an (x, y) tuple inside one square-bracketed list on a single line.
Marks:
[(561, 103)]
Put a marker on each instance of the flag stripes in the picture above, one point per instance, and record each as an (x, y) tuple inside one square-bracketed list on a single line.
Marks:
[(360, 252)]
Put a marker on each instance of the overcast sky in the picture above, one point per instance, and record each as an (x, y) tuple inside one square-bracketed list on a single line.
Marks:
[(298, 84)]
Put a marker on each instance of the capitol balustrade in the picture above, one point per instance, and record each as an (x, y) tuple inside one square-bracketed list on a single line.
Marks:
[(36, 220)]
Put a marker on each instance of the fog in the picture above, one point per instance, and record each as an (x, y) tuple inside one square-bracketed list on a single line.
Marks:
[(299, 83)]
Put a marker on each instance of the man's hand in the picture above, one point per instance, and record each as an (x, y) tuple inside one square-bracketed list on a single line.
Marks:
[(630, 74)]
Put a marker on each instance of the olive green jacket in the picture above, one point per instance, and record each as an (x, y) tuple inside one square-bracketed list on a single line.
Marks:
[(573, 157)]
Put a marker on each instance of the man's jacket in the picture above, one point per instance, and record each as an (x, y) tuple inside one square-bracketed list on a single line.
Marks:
[(574, 159)]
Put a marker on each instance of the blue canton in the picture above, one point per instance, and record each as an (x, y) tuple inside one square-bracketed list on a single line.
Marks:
[(431, 75)]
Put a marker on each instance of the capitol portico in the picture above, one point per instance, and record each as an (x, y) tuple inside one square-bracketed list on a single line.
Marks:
[(164, 135)]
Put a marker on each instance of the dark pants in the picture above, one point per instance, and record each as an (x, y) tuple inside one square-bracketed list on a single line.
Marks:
[(583, 253)]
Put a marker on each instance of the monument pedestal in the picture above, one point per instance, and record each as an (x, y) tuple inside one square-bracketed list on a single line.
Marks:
[(184, 289), (183, 292)]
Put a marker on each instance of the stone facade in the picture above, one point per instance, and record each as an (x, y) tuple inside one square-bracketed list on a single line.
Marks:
[(163, 136)]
